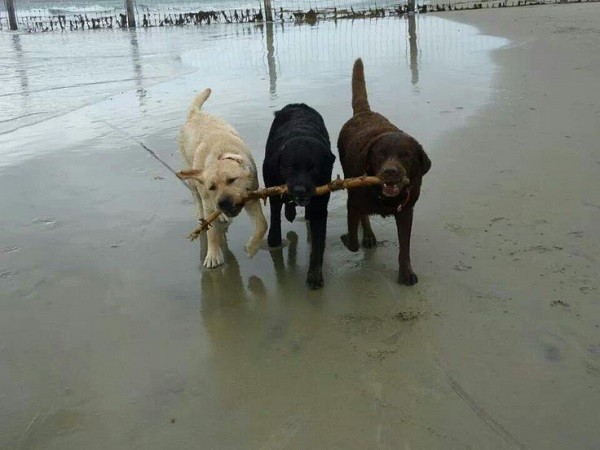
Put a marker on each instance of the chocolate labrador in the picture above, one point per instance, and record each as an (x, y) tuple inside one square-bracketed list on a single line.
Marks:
[(370, 144)]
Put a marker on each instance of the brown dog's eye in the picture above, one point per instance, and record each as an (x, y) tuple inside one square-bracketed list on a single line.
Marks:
[(231, 180), (212, 187)]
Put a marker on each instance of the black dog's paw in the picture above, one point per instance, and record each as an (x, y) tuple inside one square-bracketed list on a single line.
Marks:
[(274, 241), (369, 241), (351, 245), (290, 211), (407, 277), (315, 280)]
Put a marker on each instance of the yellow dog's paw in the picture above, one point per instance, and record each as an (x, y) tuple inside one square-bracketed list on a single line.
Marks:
[(252, 247), (214, 259)]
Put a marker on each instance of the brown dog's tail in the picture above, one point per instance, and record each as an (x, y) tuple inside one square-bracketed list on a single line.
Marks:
[(198, 102), (360, 103)]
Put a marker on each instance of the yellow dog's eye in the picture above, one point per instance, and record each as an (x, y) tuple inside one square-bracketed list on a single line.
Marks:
[(212, 187), (231, 180)]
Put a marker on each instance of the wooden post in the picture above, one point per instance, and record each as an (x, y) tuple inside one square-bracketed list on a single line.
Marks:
[(12, 17), (268, 11), (411, 6), (130, 14)]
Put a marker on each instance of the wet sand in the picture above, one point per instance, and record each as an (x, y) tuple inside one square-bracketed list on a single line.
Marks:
[(112, 336)]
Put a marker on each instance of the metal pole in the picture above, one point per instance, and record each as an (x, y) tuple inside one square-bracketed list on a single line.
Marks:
[(130, 14), (268, 11), (12, 17)]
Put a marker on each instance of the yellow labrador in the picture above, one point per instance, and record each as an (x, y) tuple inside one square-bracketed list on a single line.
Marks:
[(225, 173)]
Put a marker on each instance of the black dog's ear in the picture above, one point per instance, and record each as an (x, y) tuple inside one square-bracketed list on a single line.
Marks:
[(330, 157), (424, 160), (282, 162)]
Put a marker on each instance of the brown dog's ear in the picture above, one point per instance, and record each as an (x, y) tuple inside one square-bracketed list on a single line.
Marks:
[(424, 160), (361, 164), (191, 173)]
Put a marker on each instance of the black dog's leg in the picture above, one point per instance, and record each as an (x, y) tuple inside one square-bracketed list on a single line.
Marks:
[(274, 237), (316, 213), (404, 221), (350, 239), (290, 211)]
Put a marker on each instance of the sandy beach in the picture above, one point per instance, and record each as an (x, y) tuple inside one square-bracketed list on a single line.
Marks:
[(113, 336)]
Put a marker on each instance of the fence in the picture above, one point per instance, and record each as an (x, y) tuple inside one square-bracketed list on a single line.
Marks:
[(40, 16)]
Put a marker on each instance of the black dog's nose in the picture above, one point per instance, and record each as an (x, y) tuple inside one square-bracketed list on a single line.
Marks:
[(299, 190), (225, 204)]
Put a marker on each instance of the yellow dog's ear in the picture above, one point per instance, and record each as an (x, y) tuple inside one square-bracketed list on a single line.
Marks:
[(191, 173), (242, 160), (234, 157)]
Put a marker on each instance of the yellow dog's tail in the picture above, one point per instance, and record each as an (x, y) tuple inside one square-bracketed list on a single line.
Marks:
[(199, 101), (360, 103)]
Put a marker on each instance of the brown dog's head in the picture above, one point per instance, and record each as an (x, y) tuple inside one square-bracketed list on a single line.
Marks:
[(396, 158)]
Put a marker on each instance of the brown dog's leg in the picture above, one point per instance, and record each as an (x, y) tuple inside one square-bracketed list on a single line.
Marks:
[(404, 224), (350, 239), (369, 240)]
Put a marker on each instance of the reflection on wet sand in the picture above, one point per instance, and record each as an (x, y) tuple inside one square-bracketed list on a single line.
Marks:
[(21, 67), (271, 60), (414, 50), (278, 262), (280, 359), (234, 316), (224, 287), (137, 66)]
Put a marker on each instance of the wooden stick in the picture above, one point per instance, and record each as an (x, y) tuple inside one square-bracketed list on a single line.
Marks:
[(334, 185), (205, 224)]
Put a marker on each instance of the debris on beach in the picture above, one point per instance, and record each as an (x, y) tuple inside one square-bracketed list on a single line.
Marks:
[(63, 20)]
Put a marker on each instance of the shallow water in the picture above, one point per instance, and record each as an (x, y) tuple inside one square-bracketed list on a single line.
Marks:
[(424, 60), (111, 335)]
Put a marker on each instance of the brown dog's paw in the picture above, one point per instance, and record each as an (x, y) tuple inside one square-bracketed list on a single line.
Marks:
[(369, 241), (407, 277), (350, 245)]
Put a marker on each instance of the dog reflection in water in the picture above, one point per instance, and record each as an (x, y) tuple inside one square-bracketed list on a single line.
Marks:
[(244, 325), (224, 286)]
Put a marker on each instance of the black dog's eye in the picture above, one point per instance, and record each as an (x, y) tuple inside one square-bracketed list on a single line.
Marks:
[(231, 180), (212, 187)]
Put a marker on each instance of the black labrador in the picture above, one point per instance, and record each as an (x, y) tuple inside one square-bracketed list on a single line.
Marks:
[(298, 154)]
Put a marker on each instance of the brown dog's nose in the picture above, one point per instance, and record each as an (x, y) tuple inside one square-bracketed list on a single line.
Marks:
[(390, 171)]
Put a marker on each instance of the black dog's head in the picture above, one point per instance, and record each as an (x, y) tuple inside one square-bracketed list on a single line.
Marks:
[(305, 163)]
